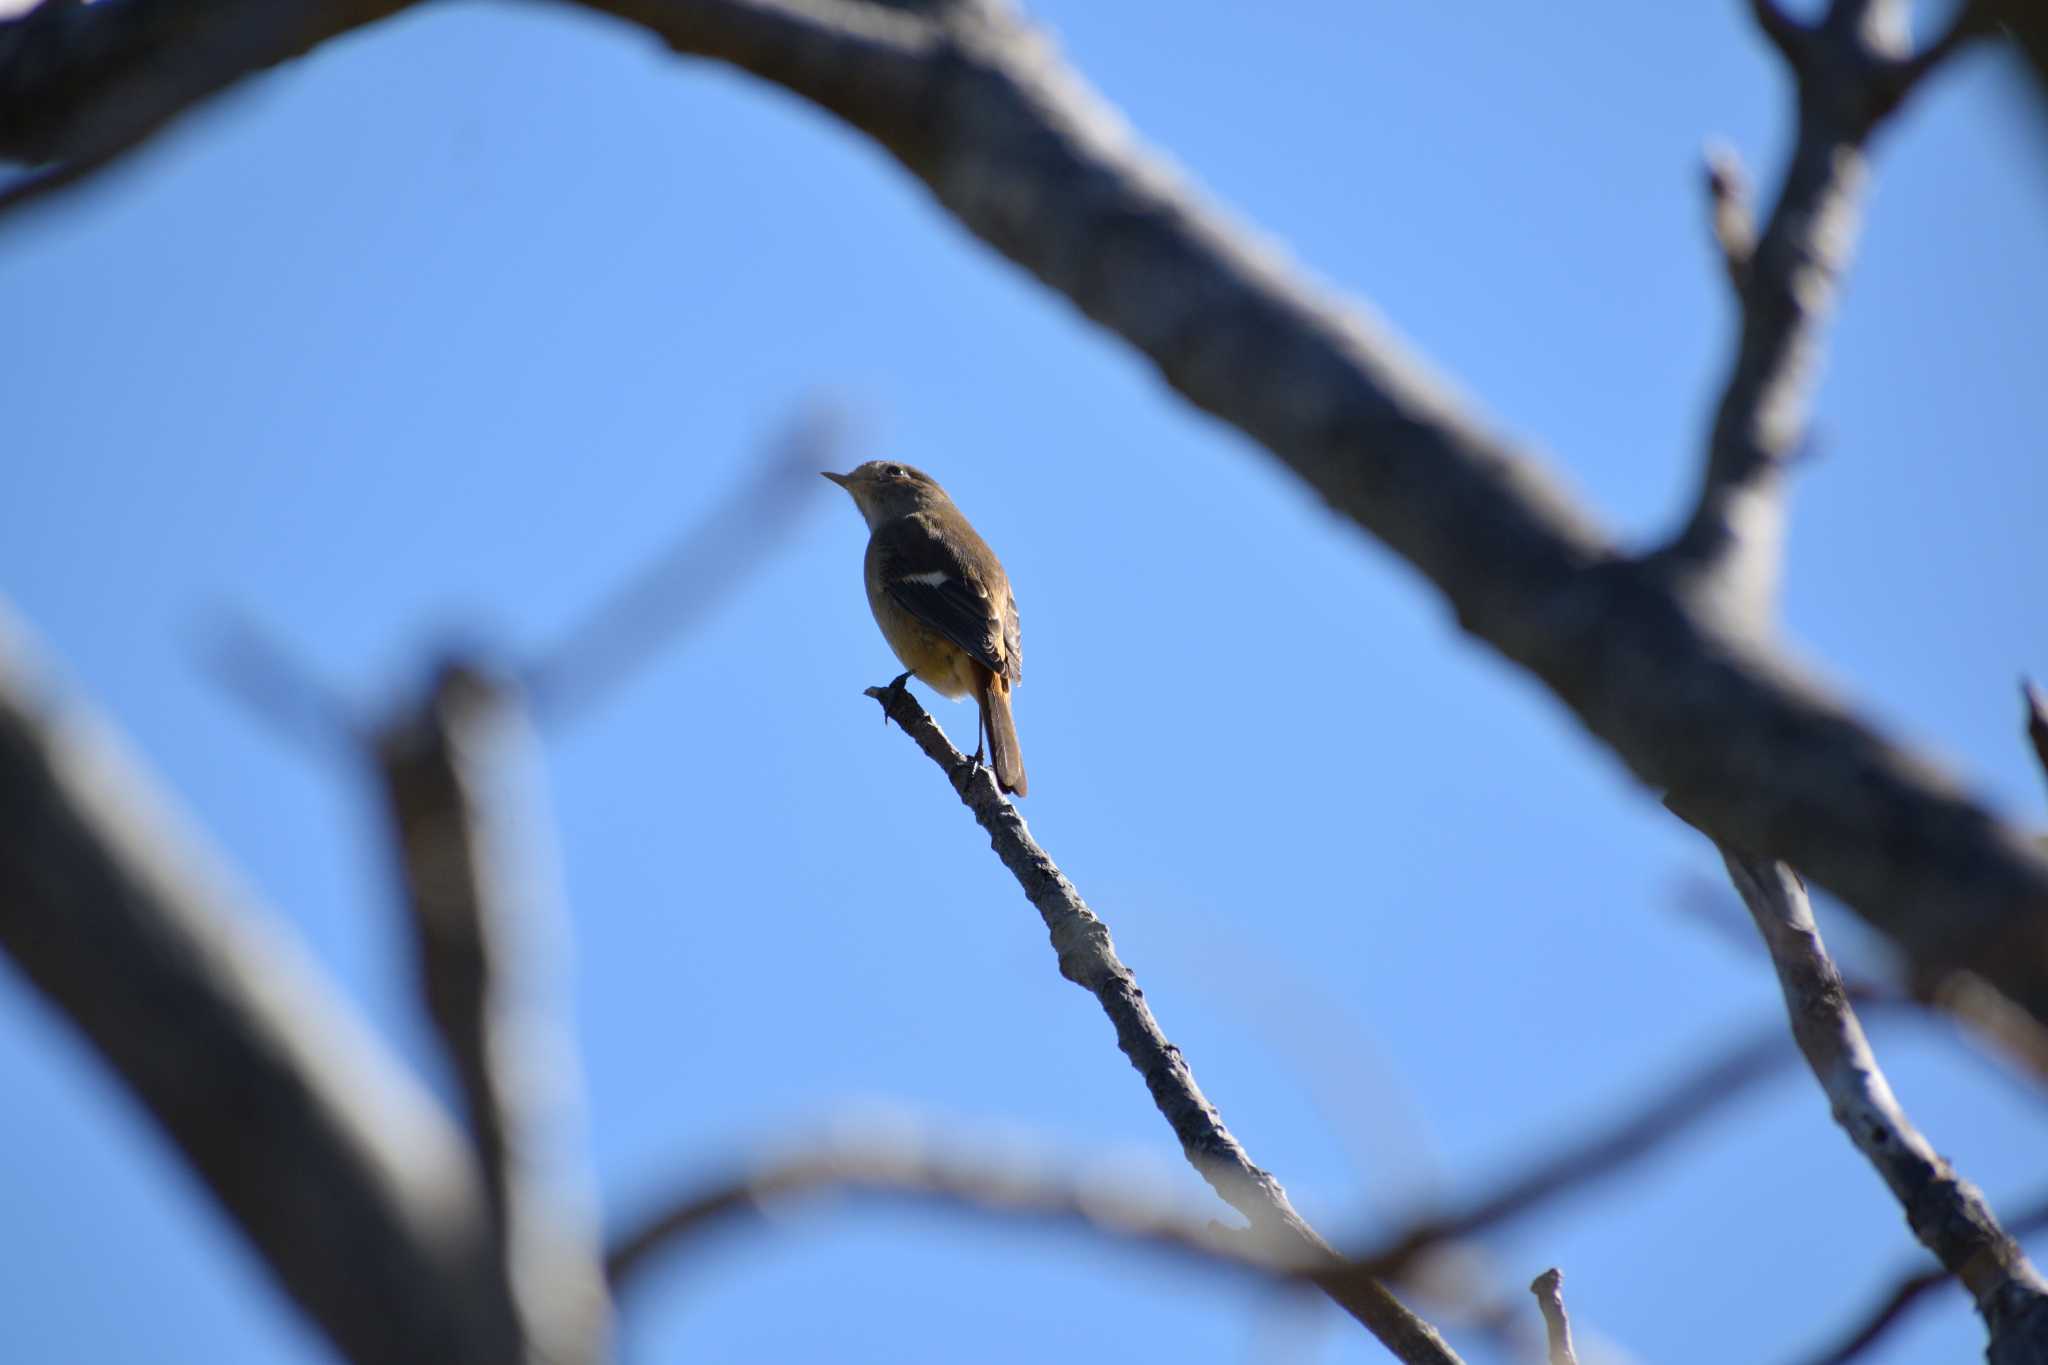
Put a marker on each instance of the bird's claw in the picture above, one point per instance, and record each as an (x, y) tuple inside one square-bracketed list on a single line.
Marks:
[(894, 687)]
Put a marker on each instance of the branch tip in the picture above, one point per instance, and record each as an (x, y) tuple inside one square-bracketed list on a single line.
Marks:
[(1549, 1291)]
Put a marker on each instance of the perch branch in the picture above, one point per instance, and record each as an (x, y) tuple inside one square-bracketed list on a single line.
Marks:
[(346, 1178), (1088, 959)]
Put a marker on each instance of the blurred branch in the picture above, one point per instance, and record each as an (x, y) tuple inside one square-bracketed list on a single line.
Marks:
[(671, 594), (1946, 1213), (469, 900), (345, 1177), (915, 1173), (1682, 1106), (2026, 23), (1549, 1291), (1089, 960), (1850, 72), (1013, 143), (295, 700), (1908, 1290), (2006, 1033), (83, 83)]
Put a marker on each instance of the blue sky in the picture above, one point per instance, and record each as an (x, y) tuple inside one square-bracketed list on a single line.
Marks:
[(447, 330)]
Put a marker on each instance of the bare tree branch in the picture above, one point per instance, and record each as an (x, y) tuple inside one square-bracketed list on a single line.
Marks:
[(2012, 1041), (2025, 22), (1787, 34), (1848, 73), (348, 1180), (1549, 1291), (1972, 20), (671, 594), (83, 83), (473, 903), (1908, 1290), (1741, 742), (918, 1173), (1088, 959), (1608, 1153), (1946, 1213), (274, 684)]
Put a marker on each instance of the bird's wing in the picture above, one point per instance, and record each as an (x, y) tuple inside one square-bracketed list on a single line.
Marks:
[(1013, 640), (943, 588)]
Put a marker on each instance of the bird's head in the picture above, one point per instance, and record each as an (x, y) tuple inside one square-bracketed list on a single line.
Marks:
[(886, 489)]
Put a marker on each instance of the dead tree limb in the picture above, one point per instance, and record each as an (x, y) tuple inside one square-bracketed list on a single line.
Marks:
[(473, 905), (1679, 1108), (1909, 1288), (346, 1177), (1946, 1213), (1088, 959), (918, 1172), (1850, 71)]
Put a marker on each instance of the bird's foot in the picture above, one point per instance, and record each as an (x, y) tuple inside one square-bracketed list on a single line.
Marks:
[(895, 687)]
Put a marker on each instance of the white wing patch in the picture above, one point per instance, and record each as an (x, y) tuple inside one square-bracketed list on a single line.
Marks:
[(937, 578)]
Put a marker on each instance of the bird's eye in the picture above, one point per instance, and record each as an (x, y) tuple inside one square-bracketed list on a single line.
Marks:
[(894, 471)]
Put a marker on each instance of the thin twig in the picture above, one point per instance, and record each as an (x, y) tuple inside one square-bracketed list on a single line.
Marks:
[(1947, 1214), (1089, 960), (1787, 34), (918, 1171), (1972, 20), (671, 594), (1549, 1291), (299, 704), (1728, 556), (1602, 1156)]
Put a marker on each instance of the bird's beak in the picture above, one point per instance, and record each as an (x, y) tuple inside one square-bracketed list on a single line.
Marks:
[(840, 479)]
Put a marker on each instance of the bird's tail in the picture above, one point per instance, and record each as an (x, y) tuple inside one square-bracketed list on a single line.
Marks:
[(1004, 755)]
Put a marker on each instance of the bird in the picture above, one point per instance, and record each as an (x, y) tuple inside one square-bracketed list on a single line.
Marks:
[(943, 602)]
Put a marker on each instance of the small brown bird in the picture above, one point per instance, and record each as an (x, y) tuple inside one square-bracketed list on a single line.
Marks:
[(942, 600)]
